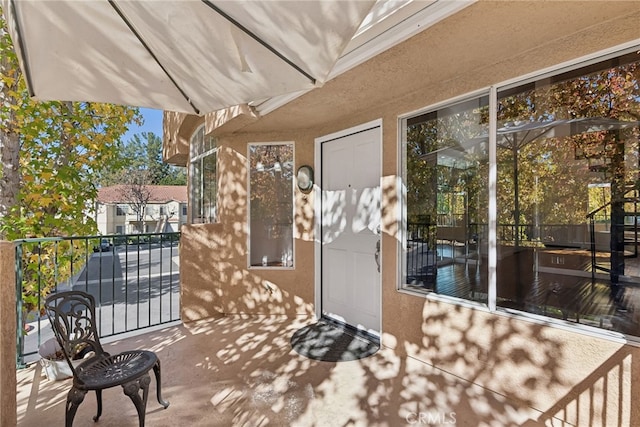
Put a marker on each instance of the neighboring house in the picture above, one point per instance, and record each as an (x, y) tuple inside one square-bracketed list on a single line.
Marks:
[(165, 210), (460, 156)]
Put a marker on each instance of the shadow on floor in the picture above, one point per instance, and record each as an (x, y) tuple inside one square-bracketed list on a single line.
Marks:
[(242, 371)]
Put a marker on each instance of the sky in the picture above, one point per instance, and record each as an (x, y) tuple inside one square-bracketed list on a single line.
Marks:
[(152, 123)]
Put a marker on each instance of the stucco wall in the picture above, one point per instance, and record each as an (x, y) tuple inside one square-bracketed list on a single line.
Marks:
[(8, 328), (214, 271), (567, 374)]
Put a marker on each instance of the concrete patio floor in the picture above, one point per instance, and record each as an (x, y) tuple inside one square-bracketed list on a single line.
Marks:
[(241, 371)]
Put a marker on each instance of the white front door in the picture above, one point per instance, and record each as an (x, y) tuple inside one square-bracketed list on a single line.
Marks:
[(350, 209)]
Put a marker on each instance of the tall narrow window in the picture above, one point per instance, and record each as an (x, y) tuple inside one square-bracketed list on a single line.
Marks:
[(271, 205), (446, 170), (203, 177)]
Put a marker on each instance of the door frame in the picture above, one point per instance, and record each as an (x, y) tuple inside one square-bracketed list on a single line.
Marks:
[(318, 211)]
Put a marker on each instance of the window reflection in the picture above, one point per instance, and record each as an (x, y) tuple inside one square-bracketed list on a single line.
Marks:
[(568, 199), (271, 205), (446, 178)]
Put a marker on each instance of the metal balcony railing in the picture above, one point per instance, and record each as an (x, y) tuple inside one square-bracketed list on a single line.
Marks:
[(134, 278)]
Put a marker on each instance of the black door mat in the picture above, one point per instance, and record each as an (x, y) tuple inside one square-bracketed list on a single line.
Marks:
[(331, 342)]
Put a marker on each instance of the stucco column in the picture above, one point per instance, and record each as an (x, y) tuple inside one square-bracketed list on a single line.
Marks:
[(8, 327)]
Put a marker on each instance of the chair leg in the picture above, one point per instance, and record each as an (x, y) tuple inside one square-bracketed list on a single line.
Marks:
[(74, 399), (156, 371), (132, 389), (99, 400)]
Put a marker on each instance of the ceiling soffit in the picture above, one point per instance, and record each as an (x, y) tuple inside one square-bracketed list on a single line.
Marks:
[(389, 23)]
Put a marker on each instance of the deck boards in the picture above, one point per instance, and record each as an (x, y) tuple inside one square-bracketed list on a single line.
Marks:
[(564, 290)]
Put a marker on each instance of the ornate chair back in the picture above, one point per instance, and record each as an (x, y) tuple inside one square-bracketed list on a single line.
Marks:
[(73, 319)]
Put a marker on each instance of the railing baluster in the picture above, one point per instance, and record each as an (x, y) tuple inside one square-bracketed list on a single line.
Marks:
[(126, 284), (171, 280), (99, 298), (160, 284), (86, 263), (138, 288), (39, 284), (113, 288)]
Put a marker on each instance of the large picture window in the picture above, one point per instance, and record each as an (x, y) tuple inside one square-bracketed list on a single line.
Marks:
[(565, 242), (271, 205), (203, 178), (568, 195)]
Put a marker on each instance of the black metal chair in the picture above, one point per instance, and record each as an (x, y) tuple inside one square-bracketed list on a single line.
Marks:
[(72, 316)]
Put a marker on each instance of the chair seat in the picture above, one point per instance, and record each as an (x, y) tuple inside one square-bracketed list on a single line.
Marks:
[(99, 373)]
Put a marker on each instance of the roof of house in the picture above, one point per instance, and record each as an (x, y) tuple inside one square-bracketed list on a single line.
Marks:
[(159, 194)]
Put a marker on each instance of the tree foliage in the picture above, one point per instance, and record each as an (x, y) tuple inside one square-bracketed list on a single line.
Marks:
[(62, 150), (554, 173), (447, 157), (142, 155)]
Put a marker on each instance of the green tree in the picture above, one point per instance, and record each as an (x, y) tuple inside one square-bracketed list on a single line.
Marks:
[(51, 153), (63, 149), (143, 153)]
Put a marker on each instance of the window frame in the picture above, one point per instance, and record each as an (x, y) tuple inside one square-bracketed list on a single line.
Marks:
[(198, 152), (122, 210)]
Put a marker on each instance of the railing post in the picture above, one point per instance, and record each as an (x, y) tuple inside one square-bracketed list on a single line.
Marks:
[(8, 330), (19, 307)]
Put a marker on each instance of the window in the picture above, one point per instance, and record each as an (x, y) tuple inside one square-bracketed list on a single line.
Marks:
[(119, 229), (184, 210), (204, 178), (162, 210), (446, 170), (122, 210), (566, 240), (271, 205), (567, 197)]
